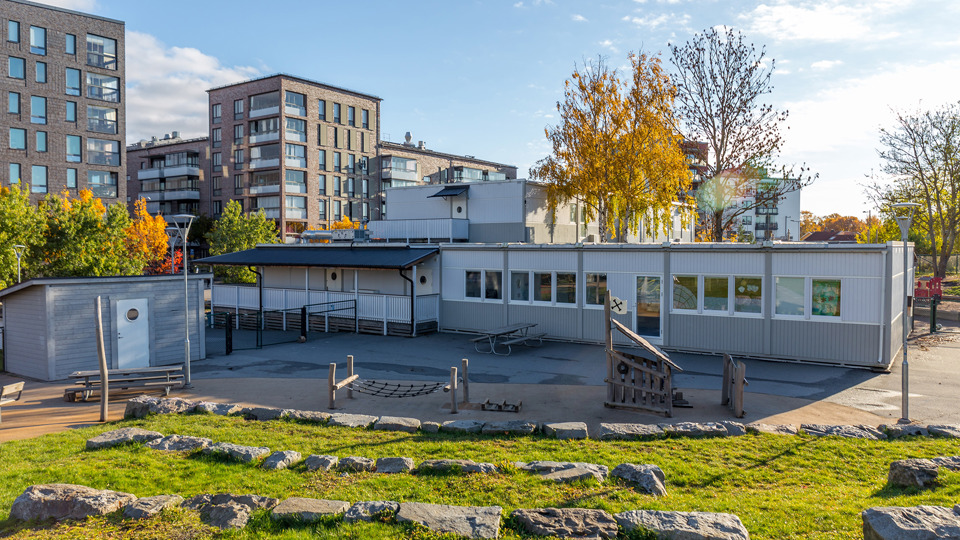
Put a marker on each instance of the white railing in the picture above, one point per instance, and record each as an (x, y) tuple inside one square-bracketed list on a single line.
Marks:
[(433, 228)]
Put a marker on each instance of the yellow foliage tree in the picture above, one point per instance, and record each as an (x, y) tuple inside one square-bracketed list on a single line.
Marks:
[(146, 235), (344, 223)]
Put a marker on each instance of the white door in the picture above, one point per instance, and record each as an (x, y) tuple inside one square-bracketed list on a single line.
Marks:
[(133, 333)]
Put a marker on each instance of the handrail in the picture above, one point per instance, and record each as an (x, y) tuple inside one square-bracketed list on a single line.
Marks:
[(643, 343)]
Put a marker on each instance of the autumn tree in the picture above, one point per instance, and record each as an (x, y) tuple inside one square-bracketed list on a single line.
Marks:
[(837, 222), (236, 231), (721, 80), (616, 151), (921, 153), (20, 224), (147, 238)]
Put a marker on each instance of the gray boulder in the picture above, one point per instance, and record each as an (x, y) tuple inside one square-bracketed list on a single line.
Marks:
[(852, 432), (429, 427), (147, 507), (316, 417), (648, 478), (685, 525), (453, 465), (944, 430), (281, 459), (143, 405), (238, 452), (262, 413), (394, 465), (199, 502), (365, 510), (351, 420), (509, 427), (897, 431), (356, 464), (221, 409), (918, 473), (695, 429), (948, 462), (396, 423), (67, 501), (226, 510), (773, 429), (468, 521), (567, 522), (566, 430), (734, 429), (180, 443), (324, 463), (307, 510), (628, 432), (573, 474), (547, 467), (120, 436), (462, 426), (912, 523)]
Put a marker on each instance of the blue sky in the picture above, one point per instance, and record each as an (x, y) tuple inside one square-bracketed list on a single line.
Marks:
[(483, 77)]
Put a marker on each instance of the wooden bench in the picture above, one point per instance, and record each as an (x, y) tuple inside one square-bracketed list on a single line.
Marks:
[(506, 335), (166, 377), (8, 392)]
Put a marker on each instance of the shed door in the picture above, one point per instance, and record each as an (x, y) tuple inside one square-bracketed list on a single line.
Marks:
[(133, 333)]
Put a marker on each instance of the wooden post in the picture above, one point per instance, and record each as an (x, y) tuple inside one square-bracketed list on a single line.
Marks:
[(741, 374), (102, 355), (349, 374), (453, 390), (727, 380), (466, 381), (608, 341), (332, 385)]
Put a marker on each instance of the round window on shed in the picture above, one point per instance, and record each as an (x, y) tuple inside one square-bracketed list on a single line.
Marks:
[(333, 276), (459, 209), (133, 314), (423, 280)]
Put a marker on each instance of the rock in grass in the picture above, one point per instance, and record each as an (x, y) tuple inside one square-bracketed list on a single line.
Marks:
[(394, 465), (462, 426), (455, 465), (773, 429), (281, 459), (573, 474), (509, 427), (324, 463), (226, 510), (695, 429), (262, 413), (308, 510), (566, 430), (944, 430), (147, 507), (468, 521), (685, 525), (897, 431), (316, 417), (396, 423), (221, 409), (628, 432), (351, 420), (356, 464), (180, 443), (918, 473), (851, 432), (366, 510), (238, 452), (948, 462), (566, 522), (911, 523), (67, 501), (648, 478), (430, 427), (120, 436)]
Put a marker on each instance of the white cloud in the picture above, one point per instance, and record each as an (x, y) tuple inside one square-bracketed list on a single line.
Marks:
[(518, 5), (656, 21), (76, 5), (166, 87), (578, 18), (826, 64), (823, 20), (607, 44)]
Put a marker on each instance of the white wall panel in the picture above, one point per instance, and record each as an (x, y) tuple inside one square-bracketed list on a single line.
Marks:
[(827, 264), (629, 261), (860, 300), (537, 259), (716, 262)]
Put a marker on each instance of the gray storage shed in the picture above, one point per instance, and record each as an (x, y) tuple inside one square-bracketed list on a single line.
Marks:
[(51, 326)]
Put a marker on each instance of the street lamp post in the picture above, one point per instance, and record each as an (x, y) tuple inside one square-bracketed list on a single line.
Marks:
[(904, 215), (183, 232), (18, 250)]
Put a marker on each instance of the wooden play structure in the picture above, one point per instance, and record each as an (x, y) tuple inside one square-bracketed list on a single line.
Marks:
[(353, 382), (734, 379), (635, 382)]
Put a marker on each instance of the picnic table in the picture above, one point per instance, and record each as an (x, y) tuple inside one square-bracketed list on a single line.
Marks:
[(505, 336), (88, 382)]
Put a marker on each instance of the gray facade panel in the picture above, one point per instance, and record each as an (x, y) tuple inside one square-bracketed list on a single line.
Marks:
[(25, 333), (733, 335), (497, 232), (850, 344), (472, 316)]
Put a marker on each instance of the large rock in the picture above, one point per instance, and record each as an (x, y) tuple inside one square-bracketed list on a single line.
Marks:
[(262, 413), (143, 405), (430, 427), (685, 525), (396, 423), (628, 432), (122, 436), (773, 429), (851, 432), (462, 426), (351, 420), (394, 465), (199, 502), (356, 464), (948, 462), (648, 478), (897, 431), (281, 459), (180, 443), (316, 417), (944, 430), (147, 507), (573, 474), (695, 429), (238, 452), (469, 521), (567, 522), (734, 429), (308, 510), (455, 465), (222, 409), (566, 430), (918, 473), (324, 463), (366, 510), (67, 501), (913, 523), (509, 427), (226, 510), (548, 467)]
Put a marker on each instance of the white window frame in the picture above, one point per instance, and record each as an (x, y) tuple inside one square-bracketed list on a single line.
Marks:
[(808, 300), (483, 286), (532, 286), (583, 288), (682, 311)]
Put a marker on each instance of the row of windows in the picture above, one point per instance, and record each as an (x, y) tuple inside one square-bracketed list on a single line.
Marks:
[(295, 155), (101, 183), (294, 182), (293, 104), (99, 119), (99, 151), (295, 130), (100, 87), (296, 208), (101, 51)]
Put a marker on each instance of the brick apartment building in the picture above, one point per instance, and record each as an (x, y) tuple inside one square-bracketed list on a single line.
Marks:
[(168, 172), (63, 89)]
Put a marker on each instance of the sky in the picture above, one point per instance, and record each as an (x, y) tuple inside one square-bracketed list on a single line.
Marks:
[(483, 78)]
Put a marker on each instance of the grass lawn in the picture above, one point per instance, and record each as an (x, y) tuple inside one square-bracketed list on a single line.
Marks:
[(781, 487)]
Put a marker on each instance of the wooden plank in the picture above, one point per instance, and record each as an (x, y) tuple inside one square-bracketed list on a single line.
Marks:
[(634, 365), (345, 382), (643, 343), (131, 371), (111, 381), (725, 384)]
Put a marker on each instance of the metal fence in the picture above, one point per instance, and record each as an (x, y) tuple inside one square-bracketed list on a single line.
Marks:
[(231, 331)]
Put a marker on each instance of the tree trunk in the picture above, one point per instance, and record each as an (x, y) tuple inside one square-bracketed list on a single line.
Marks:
[(717, 226)]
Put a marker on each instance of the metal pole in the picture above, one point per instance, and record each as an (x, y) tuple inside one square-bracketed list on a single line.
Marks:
[(18, 251), (905, 378), (184, 233)]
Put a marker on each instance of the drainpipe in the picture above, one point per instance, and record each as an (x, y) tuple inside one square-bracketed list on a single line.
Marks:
[(413, 299)]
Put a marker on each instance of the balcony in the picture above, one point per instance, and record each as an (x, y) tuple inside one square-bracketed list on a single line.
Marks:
[(172, 195), (763, 226), (392, 173), (442, 229), (765, 211), (265, 189), (168, 172), (292, 161), (294, 110), (264, 163), (264, 137), (266, 111), (295, 213)]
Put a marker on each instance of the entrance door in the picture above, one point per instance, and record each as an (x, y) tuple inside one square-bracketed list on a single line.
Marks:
[(133, 333), (648, 306)]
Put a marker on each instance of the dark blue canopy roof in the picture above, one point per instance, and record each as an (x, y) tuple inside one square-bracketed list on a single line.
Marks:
[(325, 256)]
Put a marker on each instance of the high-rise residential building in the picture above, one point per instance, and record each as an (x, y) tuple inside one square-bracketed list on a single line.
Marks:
[(169, 173), (63, 93), (300, 150)]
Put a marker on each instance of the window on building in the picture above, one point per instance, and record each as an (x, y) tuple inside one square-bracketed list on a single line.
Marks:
[(336, 137), (38, 40), (596, 288), (103, 87), (295, 181), (336, 161), (337, 210), (13, 103), (294, 103), (237, 109), (296, 130), (566, 288), (352, 116), (217, 137), (41, 141), (336, 113), (238, 134), (265, 152), (16, 68), (472, 283), (747, 294), (103, 152), (349, 140), (520, 286), (101, 52), (264, 103), (41, 72), (71, 113), (685, 292), (322, 158), (825, 297), (215, 113), (101, 119), (351, 163), (264, 130), (14, 171), (216, 160), (716, 291), (217, 186), (322, 184), (543, 281), (70, 45), (322, 209), (296, 155), (493, 284), (365, 188), (336, 186), (322, 109), (71, 179), (13, 31), (790, 296), (38, 179), (102, 183), (351, 187), (18, 139), (72, 82), (217, 208), (38, 110), (365, 118), (296, 207), (238, 158), (238, 184), (365, 206)]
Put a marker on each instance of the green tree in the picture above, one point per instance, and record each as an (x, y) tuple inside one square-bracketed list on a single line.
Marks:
[(20, 224), (235, 231)]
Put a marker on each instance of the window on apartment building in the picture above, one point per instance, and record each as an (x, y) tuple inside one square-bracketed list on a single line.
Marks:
[(336, 186), (364, 164), (294, 103), (365, 188), (336, 162), (70, 44), (352, 116), (215, 113), (41, 72), (14, 171), (103, 152), (71, 179), (295, 207), (365, 118), (295, 155), (322, 158), (72, 82), (265, 152), (238, 158), (217, 186), (237, 109), (71, 112), (322, 209), (336, 113), (13, 31), (322, 109), (13, 103), (217, 208), (337, 210), (16, 68), (102, 183), (238, 134), (349, 139), (74, 149), (261, 130), (41, 141), (216, 160), (351, 187), (101, 119), (38, 40), (336, 137), (38, 179), (103, 87), (595, 288), (38, 110), (322, 184), (101, 52), (238, 184), (351, 163), (217, 137), (264, 102), (365, 208), (18, 139), (296, 130), (295, 181)]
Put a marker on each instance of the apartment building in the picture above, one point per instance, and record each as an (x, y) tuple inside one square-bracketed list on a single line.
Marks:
[(300, 150), (168, 172), (63, 88)]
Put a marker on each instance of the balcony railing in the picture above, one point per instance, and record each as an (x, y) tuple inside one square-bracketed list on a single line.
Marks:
[(264, 163), (398, 174), (102, 126), (266, 111), (438, 229), (300, 162), (264, 189), (100, 158), (101, 60), (172, 195), (762, 226), (168, 172), (264, 137), (295, 213)]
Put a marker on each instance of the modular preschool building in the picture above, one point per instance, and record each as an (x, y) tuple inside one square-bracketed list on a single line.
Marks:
[(816, 302)]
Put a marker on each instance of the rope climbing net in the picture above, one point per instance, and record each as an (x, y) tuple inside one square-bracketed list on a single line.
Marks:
[(394, 390)]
